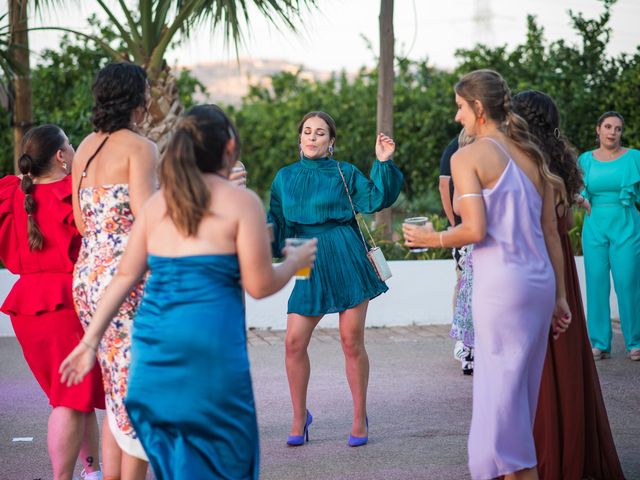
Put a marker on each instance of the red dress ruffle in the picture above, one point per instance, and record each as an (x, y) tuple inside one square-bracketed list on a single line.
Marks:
[(40, 303)]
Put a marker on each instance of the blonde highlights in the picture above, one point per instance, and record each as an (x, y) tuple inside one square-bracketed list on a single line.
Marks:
[(492, 91)]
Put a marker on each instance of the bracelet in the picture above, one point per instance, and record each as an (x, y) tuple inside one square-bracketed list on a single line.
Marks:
[(441, 242), (95, 349)]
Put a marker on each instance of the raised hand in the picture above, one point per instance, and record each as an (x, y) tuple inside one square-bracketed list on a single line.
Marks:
[(385, 146)]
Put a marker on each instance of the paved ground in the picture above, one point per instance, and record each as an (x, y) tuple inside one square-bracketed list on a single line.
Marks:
[(419, 410)]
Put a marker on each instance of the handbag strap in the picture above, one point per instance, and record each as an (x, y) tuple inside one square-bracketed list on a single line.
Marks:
[(355, 215), (86, 165)]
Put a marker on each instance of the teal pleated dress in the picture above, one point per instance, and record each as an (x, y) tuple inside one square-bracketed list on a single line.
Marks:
[(190, 397), (308, 199)]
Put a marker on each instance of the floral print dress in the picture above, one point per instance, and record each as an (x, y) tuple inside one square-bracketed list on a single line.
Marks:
[(462, 325), (108, 219)]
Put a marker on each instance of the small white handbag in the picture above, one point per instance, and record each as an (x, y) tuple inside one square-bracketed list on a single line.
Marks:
[(375, 255)]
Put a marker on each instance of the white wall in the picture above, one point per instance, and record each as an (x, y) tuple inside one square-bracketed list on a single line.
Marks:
[(420, 292)]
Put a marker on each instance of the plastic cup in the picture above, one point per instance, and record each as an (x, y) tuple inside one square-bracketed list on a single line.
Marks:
[(238, 167), (420, 221), (305, 272)]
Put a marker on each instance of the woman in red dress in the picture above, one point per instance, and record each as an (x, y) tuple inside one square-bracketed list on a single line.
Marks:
[(572, 434), (40, 243)]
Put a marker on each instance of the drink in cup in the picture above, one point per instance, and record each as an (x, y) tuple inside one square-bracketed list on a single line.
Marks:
[(420, 221), (305, 272)]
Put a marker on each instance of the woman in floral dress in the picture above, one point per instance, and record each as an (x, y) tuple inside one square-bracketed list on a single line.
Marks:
[(114, 173)]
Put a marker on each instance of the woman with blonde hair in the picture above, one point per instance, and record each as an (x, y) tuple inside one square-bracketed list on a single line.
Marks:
[(507, 204), (203, 238)]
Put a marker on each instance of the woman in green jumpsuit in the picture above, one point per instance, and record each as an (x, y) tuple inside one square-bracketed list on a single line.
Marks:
[(309, 199), (611, 236)]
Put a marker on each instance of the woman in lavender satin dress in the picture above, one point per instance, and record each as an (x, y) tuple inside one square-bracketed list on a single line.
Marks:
[(506, 201)]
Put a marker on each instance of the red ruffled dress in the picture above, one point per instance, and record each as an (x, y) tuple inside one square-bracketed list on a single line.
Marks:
[(40, 303)]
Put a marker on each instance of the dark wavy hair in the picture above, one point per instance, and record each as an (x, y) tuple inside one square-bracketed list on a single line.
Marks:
[(197, 147), (39, 146), (543, 118), (118, 89)]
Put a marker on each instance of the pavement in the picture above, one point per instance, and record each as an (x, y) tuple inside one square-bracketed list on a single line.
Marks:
[(419, 409)]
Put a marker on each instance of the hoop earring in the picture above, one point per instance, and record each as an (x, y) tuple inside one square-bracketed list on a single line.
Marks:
[(556, 133), (331, 150)]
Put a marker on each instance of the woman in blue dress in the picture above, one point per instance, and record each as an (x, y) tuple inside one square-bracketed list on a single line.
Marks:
[(309, 198), (189, 396)]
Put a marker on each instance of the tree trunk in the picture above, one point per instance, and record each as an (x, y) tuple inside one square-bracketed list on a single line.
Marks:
[(164, 110), (385, 94), (22, 112)]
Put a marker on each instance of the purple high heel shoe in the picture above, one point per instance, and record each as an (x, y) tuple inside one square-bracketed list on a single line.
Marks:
[(297, 440), (359, 441)]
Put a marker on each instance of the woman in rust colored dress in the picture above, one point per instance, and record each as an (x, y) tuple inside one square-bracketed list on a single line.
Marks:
[(40, 243), (572, 434)]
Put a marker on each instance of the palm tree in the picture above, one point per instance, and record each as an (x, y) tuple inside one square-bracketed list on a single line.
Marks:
[(385, 93), (15, 69), (149, 30)]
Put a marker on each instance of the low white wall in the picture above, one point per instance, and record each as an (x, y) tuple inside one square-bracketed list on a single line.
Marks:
[(420, 292)]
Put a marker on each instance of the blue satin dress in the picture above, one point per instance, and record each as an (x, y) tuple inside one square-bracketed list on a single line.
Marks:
[(190, 396)]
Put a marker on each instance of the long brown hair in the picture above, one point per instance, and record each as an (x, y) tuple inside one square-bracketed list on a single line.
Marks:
[(542, 115), (197, 147), (492, 91), (39, 147)]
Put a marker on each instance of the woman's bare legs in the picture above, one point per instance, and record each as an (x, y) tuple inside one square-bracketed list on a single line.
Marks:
[(356, 363), (89, 448), (526, 474), (299, 330), (64, 435), (111, 453), (133, 468)]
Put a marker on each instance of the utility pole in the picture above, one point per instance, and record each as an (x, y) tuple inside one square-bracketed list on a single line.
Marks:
[(19, 47), (384, 121)]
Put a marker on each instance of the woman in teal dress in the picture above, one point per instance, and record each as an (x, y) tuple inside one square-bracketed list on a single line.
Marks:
[(189, 395), (611, 236), (309, 198)]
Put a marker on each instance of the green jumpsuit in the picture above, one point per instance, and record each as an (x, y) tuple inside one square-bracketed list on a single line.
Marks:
[(611, 243)]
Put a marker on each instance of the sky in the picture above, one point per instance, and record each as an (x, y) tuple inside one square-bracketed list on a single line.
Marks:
[(330, 38)]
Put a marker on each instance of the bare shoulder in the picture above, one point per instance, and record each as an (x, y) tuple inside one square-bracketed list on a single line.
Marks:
[(236, 199), (468, 154), (155, 207)]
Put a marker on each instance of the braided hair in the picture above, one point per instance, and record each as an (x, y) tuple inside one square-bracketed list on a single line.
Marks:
[(492, 91), (542, 115), (196, 147), (39, 146)]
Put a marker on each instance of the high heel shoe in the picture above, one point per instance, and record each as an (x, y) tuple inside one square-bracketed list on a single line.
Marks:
[(297, 440), (359, 441)]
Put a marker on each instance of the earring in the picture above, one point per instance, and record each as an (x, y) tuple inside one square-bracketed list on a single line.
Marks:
[(64, 166), (301, 155), (331, 150), (482, 120)]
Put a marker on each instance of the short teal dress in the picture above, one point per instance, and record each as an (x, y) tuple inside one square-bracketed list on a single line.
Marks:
[(190, 397), (308, 199)]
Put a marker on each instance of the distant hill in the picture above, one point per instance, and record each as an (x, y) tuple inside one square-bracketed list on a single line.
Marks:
[(228, 82)]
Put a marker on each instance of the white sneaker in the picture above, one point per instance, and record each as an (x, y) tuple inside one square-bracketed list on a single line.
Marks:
[(459, 351), (95, 475)]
